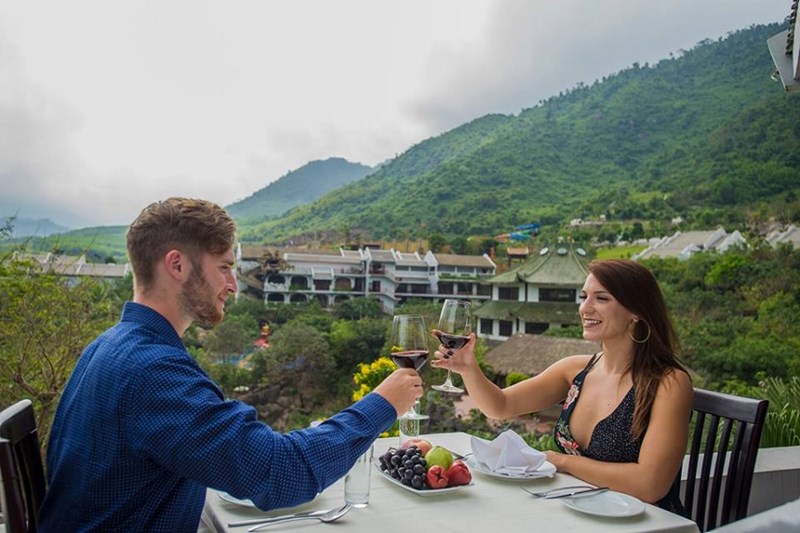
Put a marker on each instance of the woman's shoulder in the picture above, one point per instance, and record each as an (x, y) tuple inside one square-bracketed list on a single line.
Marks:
[(572, 364), (675, 382)]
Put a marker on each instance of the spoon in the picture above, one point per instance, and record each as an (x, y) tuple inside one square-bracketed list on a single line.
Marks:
[(330, 516)]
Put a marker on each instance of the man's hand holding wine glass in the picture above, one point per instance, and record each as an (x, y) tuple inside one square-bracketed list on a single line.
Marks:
[(402, 388)]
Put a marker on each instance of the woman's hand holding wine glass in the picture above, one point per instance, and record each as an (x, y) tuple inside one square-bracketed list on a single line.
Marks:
[(454, 329)]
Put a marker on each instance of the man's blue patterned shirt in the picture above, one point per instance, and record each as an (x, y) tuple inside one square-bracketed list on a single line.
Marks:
[(141, 431)]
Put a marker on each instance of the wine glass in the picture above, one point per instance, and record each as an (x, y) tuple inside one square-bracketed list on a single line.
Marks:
[(454, 329), (409, 349)]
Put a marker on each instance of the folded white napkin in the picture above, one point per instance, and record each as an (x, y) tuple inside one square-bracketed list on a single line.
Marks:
[(507, 454)]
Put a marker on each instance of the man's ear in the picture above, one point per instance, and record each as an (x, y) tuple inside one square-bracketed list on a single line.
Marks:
[(176, 264)]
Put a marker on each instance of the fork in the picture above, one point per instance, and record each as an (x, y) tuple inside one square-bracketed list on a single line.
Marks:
[(572, 490)]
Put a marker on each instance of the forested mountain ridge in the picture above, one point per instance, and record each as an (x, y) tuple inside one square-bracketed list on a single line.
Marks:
[(706, 130), (391, 177), (300, 186)]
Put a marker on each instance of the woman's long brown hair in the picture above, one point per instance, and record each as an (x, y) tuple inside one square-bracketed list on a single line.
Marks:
[(635, 287)]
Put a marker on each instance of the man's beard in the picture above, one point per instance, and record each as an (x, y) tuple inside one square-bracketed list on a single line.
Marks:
[(198, 301)]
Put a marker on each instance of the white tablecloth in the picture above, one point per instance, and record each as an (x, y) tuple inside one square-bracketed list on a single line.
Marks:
[(490, 506)]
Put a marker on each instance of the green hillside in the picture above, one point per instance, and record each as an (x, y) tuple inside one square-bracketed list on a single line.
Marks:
[(99, 244), (301, 186), (706, 136)]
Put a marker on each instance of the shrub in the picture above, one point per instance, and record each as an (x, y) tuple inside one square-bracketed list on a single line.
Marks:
[(515, 377)]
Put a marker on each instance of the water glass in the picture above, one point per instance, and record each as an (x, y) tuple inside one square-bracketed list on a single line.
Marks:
[(356, 482), (409, 428)]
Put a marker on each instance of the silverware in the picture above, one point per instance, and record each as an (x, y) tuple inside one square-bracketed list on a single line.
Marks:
[(254, 521), (566, 492), (329, 516)]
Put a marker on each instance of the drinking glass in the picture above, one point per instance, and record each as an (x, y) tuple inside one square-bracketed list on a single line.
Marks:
[(454, 329), (409, 349)]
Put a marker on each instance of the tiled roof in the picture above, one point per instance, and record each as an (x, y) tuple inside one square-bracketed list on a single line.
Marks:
[(407, 259), (256, 252), (320, 258), (791, 235), (384, 256), (97, 270), (684, 244), (543, 312), (518, 251), (352, 253), (532, 354), (479, 261), (75, 265)]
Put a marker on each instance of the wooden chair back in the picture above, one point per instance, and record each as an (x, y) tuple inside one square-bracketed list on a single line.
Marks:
[(722, 457), (22, 467)]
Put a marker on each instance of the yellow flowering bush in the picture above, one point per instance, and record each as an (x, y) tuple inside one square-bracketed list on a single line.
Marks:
[(370, 376)]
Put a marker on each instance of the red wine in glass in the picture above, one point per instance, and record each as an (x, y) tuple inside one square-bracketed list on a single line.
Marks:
[(409, 349), (410, 359), (453, 342), (454, 330)]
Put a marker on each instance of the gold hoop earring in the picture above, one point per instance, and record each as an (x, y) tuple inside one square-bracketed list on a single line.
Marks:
[(637, 341)]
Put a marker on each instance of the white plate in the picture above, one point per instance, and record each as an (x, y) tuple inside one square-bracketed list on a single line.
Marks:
[(422, 492), (609, 503), (230, 499), (547, 469)]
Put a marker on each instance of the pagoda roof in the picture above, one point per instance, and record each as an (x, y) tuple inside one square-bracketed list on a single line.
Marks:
[(552, 266)]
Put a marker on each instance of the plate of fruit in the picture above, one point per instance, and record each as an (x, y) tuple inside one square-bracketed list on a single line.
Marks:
[(424, 469)]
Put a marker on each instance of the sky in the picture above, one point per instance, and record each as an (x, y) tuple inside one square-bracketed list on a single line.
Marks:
[(107, 106)]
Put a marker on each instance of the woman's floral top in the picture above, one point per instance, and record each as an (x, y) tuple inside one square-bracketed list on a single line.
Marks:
[(611, 438)]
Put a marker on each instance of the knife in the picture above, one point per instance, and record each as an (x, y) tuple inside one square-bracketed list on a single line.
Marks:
[(597, 490)]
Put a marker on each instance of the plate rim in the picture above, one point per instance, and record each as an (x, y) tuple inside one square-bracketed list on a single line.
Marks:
[(478, 465), (637, 505), (418, 492)]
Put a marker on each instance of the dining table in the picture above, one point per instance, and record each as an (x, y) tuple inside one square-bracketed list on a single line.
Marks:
[(490, 503)]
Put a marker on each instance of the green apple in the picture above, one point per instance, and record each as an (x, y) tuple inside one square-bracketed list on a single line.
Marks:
[(439, 456)]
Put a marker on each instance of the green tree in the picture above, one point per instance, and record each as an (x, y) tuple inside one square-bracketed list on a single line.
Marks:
[(436, 242), (231, 338), (299, 359), (358, 308), (354, 342), (46, 321), (247, 305)]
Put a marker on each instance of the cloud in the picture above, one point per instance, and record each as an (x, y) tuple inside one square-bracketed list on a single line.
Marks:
[(531, 50), (106, 107), (37, 159)]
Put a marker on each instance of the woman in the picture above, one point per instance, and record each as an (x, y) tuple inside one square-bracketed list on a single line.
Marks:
[(625, 410)]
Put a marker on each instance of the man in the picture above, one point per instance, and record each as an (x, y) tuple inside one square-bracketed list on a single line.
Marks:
[(141, 430)]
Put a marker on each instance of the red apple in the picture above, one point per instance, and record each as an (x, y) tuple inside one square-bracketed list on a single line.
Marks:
[(437, 477), (422, 445), (458, 474)]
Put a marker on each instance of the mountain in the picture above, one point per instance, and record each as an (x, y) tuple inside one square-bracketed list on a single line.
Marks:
[(304, 185), (25, 227), (301, 186), (704, 136)]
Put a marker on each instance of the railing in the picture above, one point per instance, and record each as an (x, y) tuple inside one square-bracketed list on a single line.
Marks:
[(776, 479)]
